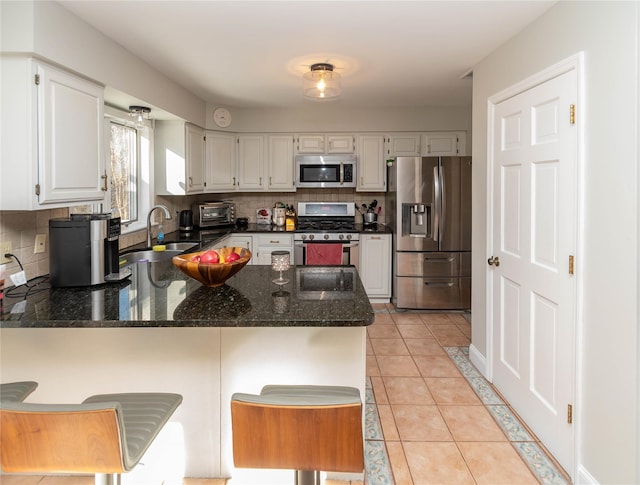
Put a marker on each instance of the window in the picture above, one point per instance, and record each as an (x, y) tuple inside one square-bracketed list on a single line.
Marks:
[(129, 157), (124, 171)]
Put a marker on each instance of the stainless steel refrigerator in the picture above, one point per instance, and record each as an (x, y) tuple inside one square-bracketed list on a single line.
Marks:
[(428, 207)]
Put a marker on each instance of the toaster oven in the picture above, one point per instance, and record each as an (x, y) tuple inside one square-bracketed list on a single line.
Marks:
[(214, 214)]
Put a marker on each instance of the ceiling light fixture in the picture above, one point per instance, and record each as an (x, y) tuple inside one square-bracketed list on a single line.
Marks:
[(321, 82), (139, 112)]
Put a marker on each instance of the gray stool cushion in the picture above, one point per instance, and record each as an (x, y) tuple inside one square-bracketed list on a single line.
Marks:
[(143, 416), (17, 391), (302, 396)]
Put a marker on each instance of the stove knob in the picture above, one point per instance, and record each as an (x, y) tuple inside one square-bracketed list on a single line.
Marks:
[(303, 237), (341, 236), (326, 236), (310, 236), (349, 236)]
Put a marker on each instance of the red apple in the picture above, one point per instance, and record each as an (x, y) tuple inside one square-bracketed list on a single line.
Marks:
[(210, 257), (232, 257), (196, 258)]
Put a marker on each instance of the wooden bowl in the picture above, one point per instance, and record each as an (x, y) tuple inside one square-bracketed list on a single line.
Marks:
[(212, 274)]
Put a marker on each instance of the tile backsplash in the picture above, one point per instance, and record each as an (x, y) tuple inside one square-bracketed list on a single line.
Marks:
[(21, 227)]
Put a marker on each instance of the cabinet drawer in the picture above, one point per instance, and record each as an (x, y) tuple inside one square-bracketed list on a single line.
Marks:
[(433, 264), (277, 239), (433, 293)]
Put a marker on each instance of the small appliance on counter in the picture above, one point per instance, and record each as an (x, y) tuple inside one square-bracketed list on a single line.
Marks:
[(83, 250), (215, 214), (186, 221)]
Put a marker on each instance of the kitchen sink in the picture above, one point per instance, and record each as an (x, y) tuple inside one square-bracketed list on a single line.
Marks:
[(148, 256), (181, 246)]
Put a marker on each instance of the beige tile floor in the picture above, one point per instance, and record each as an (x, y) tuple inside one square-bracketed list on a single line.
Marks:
[(436, 429)]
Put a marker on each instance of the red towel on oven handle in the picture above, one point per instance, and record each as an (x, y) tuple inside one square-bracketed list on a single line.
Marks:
[(323, 254)]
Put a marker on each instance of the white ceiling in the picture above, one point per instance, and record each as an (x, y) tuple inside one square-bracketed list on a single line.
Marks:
[(253, 53)]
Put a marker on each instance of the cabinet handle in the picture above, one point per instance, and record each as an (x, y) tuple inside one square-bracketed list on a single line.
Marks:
[(190, 181), (104, 181), (270, 182), (234, 181), (376, 237), (260, 182)]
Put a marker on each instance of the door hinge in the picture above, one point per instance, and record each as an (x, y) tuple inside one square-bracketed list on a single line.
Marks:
[(37, 189), (572, 114), (569, 413), (37, 79), (571, 264)]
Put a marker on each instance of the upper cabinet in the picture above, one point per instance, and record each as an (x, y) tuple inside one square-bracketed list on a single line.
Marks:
[(52, 137), (179, 158), (371, 163), (251, 163), (220, 164), (320, 144), (280, 160), (403, 145), (444, 144)]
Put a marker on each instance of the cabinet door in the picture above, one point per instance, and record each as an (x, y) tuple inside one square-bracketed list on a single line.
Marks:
[(375, 264), (220, 162), (403, 145), (309, 144), (371, 163), (194, 159), (251, 162), (241, 241), (70, 138), (441, 144), (281, 163), (341, 144), (266, 244)]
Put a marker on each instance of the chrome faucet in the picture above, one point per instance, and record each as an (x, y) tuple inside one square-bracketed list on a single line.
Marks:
[(167, 214)]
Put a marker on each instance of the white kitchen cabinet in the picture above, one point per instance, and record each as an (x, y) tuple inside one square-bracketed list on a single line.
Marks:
[(310, 144), (265, 244), (375, 265), (403, 145), (372, 171), (220, 162), (328, 143), (239, 241), (341, 143), (280, 163), (179, 158), (251, 163), (52, 137), (444, 144)]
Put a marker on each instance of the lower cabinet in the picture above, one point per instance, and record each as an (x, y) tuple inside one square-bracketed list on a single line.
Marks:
[(241, 241), (266, 244), (375, 265)]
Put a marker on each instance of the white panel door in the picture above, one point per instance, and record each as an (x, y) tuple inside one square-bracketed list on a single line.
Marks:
[(534, 235)]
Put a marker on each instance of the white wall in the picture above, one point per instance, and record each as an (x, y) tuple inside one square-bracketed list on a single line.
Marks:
[(334, 117), (49, 31), (607, 33)]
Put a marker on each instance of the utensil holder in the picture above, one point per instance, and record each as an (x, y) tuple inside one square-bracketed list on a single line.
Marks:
[(369, 218)]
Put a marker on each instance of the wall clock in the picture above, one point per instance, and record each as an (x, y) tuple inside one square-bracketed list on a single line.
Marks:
[(222, 117)]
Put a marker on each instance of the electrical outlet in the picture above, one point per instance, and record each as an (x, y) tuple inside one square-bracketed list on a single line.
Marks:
[(5, 247), (41, 240)]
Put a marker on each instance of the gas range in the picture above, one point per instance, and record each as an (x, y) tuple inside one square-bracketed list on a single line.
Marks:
[(326, 222)]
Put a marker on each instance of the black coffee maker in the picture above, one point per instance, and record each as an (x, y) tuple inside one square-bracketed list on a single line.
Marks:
[(186, 221), (84, 250)]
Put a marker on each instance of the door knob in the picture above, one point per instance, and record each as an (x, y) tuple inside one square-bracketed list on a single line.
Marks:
[(493, 261)]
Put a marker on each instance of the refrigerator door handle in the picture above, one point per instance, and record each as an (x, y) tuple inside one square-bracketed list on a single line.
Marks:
[(443, 202), (435, 203)]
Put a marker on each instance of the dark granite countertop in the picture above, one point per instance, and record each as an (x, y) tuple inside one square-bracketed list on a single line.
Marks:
[(159, 295)]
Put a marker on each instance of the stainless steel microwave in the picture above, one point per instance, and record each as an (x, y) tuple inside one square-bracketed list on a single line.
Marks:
[(325, 171)]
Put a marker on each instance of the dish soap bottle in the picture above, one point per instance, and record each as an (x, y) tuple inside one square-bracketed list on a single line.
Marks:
[(160, 234)]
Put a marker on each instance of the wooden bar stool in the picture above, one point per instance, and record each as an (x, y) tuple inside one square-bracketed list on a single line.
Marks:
[(304, 428), (16, 391), (106, 435)]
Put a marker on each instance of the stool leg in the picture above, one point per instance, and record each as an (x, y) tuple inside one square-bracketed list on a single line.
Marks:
[(307, 477), (107, 479)]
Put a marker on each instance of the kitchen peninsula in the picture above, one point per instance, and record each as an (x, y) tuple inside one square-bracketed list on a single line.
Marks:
[(162, 331)]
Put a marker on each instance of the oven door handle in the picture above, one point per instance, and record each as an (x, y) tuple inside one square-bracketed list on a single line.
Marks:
[(350, 245)]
